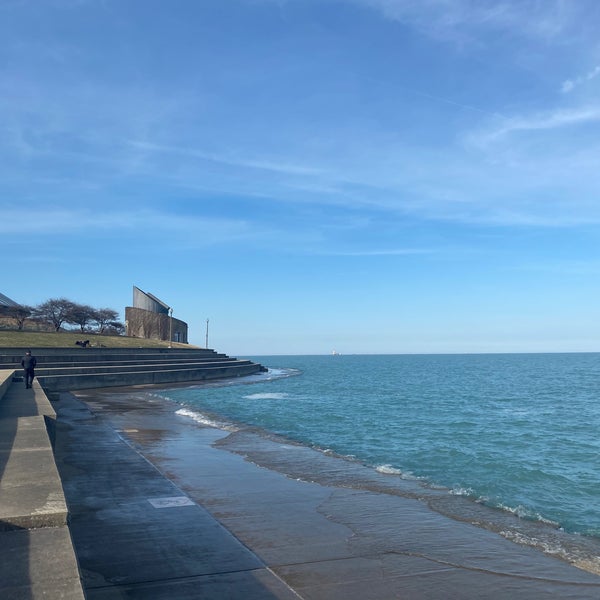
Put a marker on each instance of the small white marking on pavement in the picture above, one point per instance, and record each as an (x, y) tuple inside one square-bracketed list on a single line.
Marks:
[(170, 502)]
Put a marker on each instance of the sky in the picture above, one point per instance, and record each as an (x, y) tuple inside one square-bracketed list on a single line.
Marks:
[(364, 176)]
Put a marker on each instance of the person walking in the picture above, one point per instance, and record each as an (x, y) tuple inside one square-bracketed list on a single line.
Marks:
[(28, 363)]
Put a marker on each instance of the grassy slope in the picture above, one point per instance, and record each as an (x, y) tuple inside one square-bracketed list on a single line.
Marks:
[(34, 339)]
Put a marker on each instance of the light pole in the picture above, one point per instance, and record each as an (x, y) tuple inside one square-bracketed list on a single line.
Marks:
[(170, 327), (207, 333)]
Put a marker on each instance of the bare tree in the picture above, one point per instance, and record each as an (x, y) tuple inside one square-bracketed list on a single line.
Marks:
[(104, 317), (82, 315), (19, 314), (114, 328), (55, 311)]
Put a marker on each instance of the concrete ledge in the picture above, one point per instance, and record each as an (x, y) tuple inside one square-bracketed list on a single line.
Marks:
[(63, 383), (37, 559), (106, 369), (10, 358), (37, 564), (31, 493), (19, 402), (6, 376)]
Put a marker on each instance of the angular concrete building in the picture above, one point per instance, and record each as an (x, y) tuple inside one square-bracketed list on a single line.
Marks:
[(152, 319)]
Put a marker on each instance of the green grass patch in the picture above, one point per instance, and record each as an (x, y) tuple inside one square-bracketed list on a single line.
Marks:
[(38, 339)]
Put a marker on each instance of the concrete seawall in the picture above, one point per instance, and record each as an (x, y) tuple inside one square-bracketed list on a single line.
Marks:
[(37, 559)]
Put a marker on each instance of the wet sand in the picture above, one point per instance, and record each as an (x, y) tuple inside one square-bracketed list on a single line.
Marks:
[(324, 527)]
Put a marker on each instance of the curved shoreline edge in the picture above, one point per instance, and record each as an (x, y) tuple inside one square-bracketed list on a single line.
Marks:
[(300, 461), (323, 539)]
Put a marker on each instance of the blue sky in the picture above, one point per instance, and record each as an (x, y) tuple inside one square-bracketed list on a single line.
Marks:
[(369, 176)]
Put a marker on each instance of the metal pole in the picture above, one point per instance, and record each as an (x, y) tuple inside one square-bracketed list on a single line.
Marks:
[(206, 333), (170, 327)]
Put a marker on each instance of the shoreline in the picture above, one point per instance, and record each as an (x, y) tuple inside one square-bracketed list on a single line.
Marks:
[(576, 549), (370, 513)]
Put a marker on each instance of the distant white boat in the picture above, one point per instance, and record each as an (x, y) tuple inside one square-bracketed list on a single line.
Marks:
[(335, 353)]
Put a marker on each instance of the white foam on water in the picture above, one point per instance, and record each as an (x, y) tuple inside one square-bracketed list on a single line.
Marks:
[(278, 373), (555, 548), (461, 491), (388, 470), (206, 421), (267, 396), (525, 513)]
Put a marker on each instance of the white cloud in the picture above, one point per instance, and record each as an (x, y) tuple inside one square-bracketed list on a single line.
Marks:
[(545, 121), (570, 84), (460, 18)]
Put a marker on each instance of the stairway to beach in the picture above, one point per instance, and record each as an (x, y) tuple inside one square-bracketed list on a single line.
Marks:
[(62, 369)]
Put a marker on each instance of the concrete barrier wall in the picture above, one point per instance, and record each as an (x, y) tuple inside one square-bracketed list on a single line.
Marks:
[(63, 383), (132, 367), (14, 405), (6, 377), (36, 551)]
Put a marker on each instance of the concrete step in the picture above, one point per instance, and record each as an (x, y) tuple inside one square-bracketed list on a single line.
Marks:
[(10, 359), (132, 367), (126, 377), (6, 377), (20, 402), (38, 564), (18, 351), (63, 369), (117, 361), (31, 493), (37, 559)]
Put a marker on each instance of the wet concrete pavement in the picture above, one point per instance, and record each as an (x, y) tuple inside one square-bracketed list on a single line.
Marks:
[(162, 507)]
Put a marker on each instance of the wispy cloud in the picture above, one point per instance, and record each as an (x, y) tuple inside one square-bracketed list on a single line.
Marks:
[(155, 230), (230, 160), (460, 18), (545, 121), (67, 222), (384, 252), (570, 84)]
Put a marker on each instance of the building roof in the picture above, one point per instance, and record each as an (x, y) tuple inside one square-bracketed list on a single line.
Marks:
[(148, 301), (157, 300), (6, 302)]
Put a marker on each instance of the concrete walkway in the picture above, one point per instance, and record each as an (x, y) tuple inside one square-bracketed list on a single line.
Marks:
[(161, 508), (136, 534)]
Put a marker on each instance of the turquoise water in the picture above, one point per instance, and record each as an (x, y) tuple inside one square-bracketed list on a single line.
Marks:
[(516, 432)]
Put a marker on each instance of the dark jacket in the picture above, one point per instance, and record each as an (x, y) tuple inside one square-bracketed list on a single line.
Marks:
[(28, 362)]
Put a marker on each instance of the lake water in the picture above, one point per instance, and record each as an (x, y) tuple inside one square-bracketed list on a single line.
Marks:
[(519, 433)]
